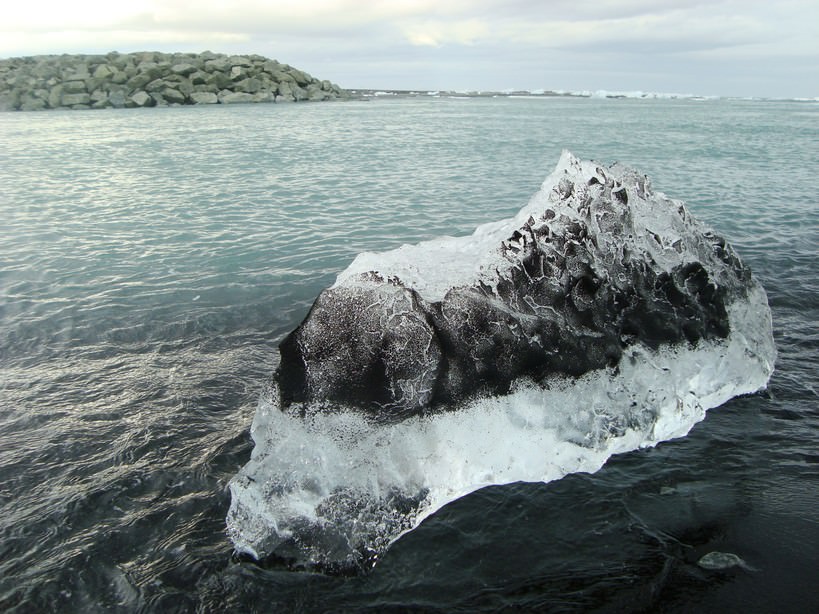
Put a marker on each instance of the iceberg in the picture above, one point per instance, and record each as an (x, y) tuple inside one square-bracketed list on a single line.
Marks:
[(600, 319)]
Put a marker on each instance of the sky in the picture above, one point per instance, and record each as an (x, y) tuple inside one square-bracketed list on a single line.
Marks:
[(742, 48)]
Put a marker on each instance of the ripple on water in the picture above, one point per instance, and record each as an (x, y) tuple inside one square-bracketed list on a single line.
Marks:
[(150, 261)]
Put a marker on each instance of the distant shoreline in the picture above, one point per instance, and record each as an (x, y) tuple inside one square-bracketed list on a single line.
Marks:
[(366, 94)]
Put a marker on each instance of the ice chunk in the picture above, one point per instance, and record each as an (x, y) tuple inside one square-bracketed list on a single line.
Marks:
[(601, 318)]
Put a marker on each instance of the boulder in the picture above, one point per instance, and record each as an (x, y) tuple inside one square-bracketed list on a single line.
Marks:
[(55, 96), (156, 85), (74, 87), (173, 95), (251, 85), (285, 90), (228, 97), (204, 98), (71, 100), (32, 103), (219, 80), (218, 65), (119, 77), (183, 69), (198, 78), (315, 93), (117, 99), (300, 77), (263, 97), (139, 81), (240, 60), (142, 99), (103, 71), (99, 95)]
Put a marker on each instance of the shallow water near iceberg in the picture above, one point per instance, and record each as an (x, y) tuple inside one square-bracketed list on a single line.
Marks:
[(152, 262)]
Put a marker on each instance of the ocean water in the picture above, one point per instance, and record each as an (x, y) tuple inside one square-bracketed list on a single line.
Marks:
[(152, 260)]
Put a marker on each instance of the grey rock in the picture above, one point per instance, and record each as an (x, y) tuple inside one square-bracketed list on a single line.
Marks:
[(228, 97), (315, 93), (119, 77), (301, 78), (183, 69), (31, 103), (264, 97), (103, 71), (185, 86), (142, 99), (151, 69), (55, 96), (78, 72), (199, 77), (218, 64), (270, 66), (46, 70), (239, 60), (173, 95), (74, 87), (208, 87), (122, 62), (285, 90), (220, 80), (99, 95), (281, 76), (117, 99), (138, 81), (204, 98), (251, 85), (156, 85), (71, 100)]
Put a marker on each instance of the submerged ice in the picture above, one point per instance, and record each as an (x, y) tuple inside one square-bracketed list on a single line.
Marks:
[(601, 318)]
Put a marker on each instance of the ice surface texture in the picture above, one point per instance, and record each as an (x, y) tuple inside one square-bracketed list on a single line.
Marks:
[(595, 263), (601, 318)]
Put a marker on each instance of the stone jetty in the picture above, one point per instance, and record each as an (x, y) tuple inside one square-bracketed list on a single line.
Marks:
[(149, 79)]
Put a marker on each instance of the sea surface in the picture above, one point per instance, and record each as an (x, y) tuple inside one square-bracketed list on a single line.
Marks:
[(151, 260)]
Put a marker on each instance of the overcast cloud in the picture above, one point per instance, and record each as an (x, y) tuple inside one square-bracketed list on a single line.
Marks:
[(718, 47)]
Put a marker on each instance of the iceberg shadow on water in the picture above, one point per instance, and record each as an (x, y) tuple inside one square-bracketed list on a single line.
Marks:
[(601, 318)]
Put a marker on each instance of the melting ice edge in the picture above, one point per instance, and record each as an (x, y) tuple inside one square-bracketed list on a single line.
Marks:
[(600, 319)]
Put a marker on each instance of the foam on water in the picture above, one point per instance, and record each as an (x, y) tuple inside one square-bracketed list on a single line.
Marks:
[(332, 487)]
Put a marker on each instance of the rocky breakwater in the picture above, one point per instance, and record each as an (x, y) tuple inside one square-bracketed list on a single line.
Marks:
[(151, 79)]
